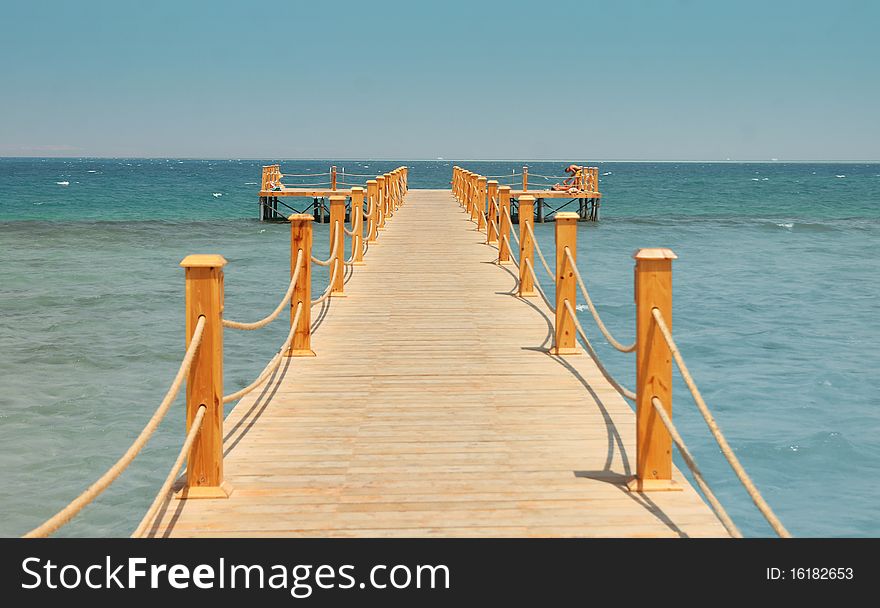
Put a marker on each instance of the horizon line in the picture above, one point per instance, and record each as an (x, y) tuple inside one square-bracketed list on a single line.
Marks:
[(443, 159)]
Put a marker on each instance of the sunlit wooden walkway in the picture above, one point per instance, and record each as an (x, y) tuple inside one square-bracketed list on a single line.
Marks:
[(434, 409)]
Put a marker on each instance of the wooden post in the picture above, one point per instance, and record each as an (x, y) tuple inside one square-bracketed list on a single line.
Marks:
[(492, 195), (504, 225), (337, 241), (301, 240), (653, 289), (480, 207), (389, 196), (204, 384), (525, 179), (380, 200), (475, 193), (333, 178), (373, 209), (566, 285), (455, 182), (357, 225), (526, 246)]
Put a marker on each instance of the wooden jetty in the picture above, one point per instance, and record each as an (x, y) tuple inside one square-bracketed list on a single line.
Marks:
[(433, 389), (582, 190)]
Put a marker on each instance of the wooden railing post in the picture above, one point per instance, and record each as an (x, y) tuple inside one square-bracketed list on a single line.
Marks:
[(204, 383), (373, 209), (301, 241), (504, 225), (566, 285), (472, 208), (337, 241), (333, 178), (526, 246), (454, 182), (653, 289), (389, 196), (492, 194), (480, 207), (380, 200), (357, 225), (525, 179)]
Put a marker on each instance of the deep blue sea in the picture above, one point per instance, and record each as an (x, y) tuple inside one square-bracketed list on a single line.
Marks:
[(776, 313)]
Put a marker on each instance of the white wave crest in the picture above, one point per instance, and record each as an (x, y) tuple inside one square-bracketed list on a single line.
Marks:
[(63, 183), (217, 194)]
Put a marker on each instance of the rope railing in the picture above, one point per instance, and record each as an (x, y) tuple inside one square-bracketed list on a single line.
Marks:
[(194, 429), (528, 264), (329, 289), (333, 251), (726, 450), (273, 364), (93, 491), (653, 305), (274, 314), (204, 327), (720, 511), (510, 223), (624, 348), (631, 395), (540, 253)]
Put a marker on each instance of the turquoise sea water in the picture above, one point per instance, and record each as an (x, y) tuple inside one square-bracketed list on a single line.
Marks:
[(776, 308)]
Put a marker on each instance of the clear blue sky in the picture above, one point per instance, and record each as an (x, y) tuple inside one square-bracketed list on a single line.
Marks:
[(466, 80)]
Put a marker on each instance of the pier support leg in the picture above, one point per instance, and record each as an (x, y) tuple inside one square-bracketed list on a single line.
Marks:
[(301, 241), (565, 342), (204, 384), (526, 246), (653, 289), (541, 218)]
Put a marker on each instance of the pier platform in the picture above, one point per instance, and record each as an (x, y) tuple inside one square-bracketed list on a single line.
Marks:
[(434, 408)]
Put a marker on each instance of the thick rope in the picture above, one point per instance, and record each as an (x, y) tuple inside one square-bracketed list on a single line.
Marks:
[(537, 285), (510, 223), (303, 174), (273, 364), (726, 521), (333, 251), (281, 306), (539, 252), (735, 464), (194, 429), (618, 345), (327, 291), (77, 504), (510, 251), (617, 386)]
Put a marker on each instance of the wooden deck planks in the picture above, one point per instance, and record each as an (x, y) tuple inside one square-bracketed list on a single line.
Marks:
[(433, 409)]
